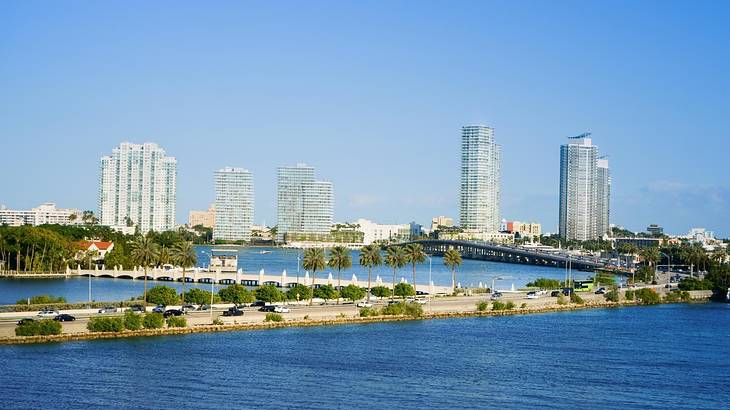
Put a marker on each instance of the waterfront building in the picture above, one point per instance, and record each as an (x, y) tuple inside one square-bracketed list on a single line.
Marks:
[(44, 214), (585, 185), (480, 191), (304, 204), (234, 204), (137, 186), (100, 247), (655, 229), (206, 219), (375, 232), (476, 235), (441, 221)]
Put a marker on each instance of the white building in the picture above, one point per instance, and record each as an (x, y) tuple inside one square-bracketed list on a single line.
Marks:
[(138, 183), (374, 232), (234, 204), (304, 205), (44, 214), (585, 185), (480, 191)]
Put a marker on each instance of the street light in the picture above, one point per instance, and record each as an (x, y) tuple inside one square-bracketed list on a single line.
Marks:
[(669, 267), (430, 260)]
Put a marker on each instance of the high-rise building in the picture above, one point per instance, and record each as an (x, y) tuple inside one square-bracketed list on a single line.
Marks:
[(480, 192), (234, 204), (137, 186), (585, 185), (304, 205)]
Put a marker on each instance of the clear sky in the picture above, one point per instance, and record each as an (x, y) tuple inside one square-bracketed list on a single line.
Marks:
[(373, 94)]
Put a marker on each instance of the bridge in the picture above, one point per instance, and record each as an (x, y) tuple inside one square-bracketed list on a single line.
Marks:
[(508, 254), (283, 280)]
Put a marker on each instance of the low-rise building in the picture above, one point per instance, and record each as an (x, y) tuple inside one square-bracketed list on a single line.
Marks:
[(100, 247), (375, 232), (476, 235), (44, 214), (441, 221), (522, 229), (655, 229), (204, 218)]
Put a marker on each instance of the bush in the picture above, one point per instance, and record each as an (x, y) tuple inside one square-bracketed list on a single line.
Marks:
[(482, 306), (41, 300), (545, 283), (404, 290), (367, 312), (269, 293), (353, 292), (611, 296), (574, 298), (177, 321), (235, 294), (381, 291), (200, 297), (685, 296), (106, 324), (299, 292), (695, 284), (217, 322), (630, 294), (395, 309), (648, 296), (162, 295), (498, 305), (45, 327), (326, 292), (132, 321), (562, 300), (509, 305), (153, 321), (523, 306), (273, 317), (413, 310)]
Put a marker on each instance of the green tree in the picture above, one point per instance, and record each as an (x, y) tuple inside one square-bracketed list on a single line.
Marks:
[(183, 255), (199, 296), (340, 259), (452, 259), (415, 255), (396, 258), (162, 295), (326, 292), (403, 290), (381, 292), (269, 294), (144, 253), (313, 261), (370, 257), (299, 292), (237, 294), (352, 292)]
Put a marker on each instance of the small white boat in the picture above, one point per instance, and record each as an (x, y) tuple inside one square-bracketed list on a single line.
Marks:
[(264, 252)]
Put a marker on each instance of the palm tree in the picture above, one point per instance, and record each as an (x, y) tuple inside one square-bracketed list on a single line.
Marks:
[(370, 257), (314, 261), (452, 259), (719, 256), (340, 259), (163, 256), (651, 256), (414, 255), (396, 258), (183, 254), (144, 253)]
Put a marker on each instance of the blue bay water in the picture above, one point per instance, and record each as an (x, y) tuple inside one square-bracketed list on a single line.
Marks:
[(669, 356), (251, 260)]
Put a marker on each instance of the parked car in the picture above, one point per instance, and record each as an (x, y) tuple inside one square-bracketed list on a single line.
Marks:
[(64, 318), (393, 302), (532, 295), (189, 308), (173, 312), (496, 295), (137, 308), (267, 308), (281, 309), (205, 307), (159, 309), (420, 301), (541, 292), (48, 313), (25, 321), (410, 299), (108, 309), (600, 291), (555, 293), (258, 303), (668, 286), (364, 304), (234, 311), (568, 291)]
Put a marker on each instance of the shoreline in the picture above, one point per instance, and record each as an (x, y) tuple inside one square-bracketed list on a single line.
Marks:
[(302, 323)]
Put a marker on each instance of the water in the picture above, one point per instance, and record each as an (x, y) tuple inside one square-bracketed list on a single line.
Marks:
[(251, 260), (669, 356)]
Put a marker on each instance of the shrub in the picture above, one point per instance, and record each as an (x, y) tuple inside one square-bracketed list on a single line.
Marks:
[(235, 294), (367, 312), (41, 300), (648, 296), (404, 290), (326, 292), (545, 283), (611, 296), (177, 321), (162, 295), (217, 322), (498, 305), (353, 292), (380, 291), (413, 310), (45, 327), (630, 294), (695, 284), (509, 305), (200, 297), (574, 298), (269, 293), (482, 306), (153, 321), (299, 292), (562, 300), (395, 309), (106, 324), (132, 321), (685, 296), (523, 306), (672, 297), (273, 317)]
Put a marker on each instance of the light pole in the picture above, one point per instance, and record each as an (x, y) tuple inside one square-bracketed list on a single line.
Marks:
[(496, 278), (299, 258), (429, 280)]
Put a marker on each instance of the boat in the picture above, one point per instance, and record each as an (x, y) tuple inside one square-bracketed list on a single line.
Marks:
[(264, 252)]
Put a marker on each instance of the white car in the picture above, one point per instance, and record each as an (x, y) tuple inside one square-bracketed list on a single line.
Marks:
[(48, 313), (364, 305), (420, 301), (281, 309), (532, 295), (410, 299)]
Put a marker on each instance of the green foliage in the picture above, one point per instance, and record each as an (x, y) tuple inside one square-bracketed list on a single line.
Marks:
[(106, 324), (41, 300), (314, 259), (353, 292), (630, 294), (45, 327), (498, 305), (299, 292), (380, 291), (340, 258), (523, 306), (574, 298), (217, 322), (509, 305), (367, 312), (132, 320), (326, 292), (648, 296), (644, 274), (404, 290), (695, 284), (395, 309), (545, 283), (605, 278), (200, 297), (482, 306), (269, 294), (153, 321), (177, 321), (162, 295), (678, 296), (273, 317), (235, 294), (562, 300), (611, 296), (413, 310)]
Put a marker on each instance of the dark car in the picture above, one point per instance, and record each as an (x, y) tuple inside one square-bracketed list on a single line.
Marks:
[(64, 318), (258, 303), (159, 309), (233, 312), (600, 291), (567, 291), (25, 321), (555, 293), (267, 308), (137, 308), (172, 312)]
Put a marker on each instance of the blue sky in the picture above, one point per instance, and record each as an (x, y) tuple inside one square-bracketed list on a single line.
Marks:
[(373, 94)]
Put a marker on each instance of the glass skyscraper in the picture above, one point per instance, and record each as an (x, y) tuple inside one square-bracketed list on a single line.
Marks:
[(304, 205), (137, 184), (480, 192), (234, 204)]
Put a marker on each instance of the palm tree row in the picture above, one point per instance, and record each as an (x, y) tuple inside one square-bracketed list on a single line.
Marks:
[(146, 253)]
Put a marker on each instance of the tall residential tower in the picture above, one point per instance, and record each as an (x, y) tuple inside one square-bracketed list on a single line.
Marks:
[(481, 159), (304, 205), (234, 204), (137, 186)]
